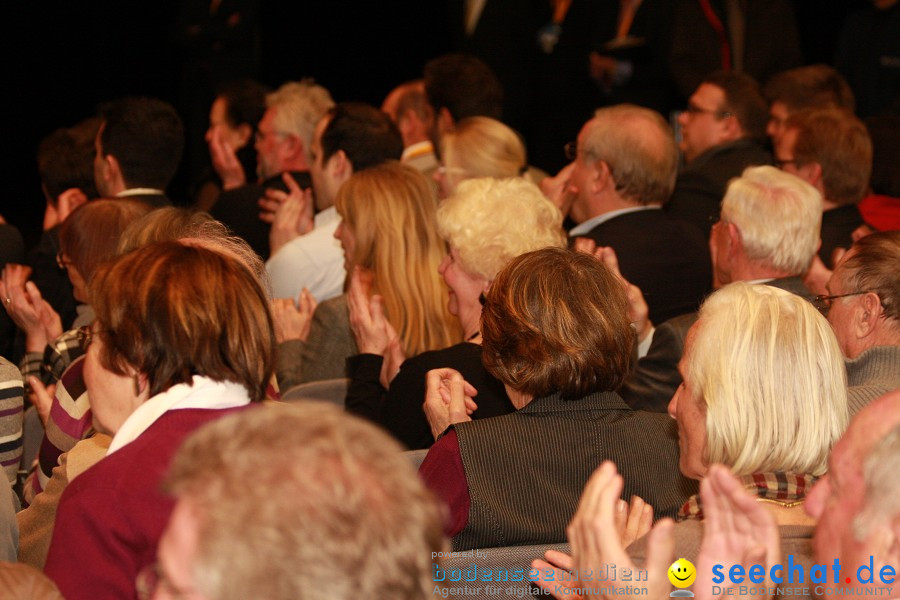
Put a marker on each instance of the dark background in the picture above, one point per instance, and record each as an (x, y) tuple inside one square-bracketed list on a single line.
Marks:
[(60, 59)]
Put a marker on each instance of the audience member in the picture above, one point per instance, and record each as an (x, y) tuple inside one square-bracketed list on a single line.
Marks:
[(350, 138), (557, 334), (813, 86), (283, 141), (623, 171), (460, 86), (9, 530), (11, 409), (771, 416), (853, 504), (407, 106), (342, 512), (721, 134), (768, 233), (164, 357), (23, 582), (486, 223), (863, 296), (234, 118), (70, 445), (137, 150), (479, 147), (65, 161), (12, 251), (829, 148), (391, 248)]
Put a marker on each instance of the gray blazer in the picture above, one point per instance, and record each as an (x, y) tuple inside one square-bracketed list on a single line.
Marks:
[(323, 355)]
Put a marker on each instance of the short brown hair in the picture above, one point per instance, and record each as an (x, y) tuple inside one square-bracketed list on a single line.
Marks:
[(744, 100), (840, 143), (873, 268), (812, 86), (91, 234), (174, 310), (556, 320), (336, 506)]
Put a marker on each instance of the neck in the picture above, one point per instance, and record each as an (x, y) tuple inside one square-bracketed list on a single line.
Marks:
[(789, 516), (750, 271)]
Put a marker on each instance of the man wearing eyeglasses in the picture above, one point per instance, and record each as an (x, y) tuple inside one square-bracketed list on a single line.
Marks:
[(283, 140), (722, 130), (863, 303), (831, 149)]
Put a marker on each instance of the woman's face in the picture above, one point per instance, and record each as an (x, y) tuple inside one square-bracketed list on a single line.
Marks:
[(236, 137), (79, 285), (690, 413), (344, 234), (465, 290), (113, 396)]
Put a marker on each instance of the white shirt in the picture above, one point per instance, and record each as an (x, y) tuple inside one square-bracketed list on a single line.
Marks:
[(202, 392), (314, 261)]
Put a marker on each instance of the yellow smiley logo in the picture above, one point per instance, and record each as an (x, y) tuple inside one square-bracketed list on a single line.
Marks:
[(682, 573)]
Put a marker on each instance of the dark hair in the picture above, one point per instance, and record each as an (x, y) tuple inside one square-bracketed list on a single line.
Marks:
[(245, 102), (837, 140), (65, 159), (744, 100), (91, 234), (813, 86), (146, 137), (366, 135), (464, 85), (556, 320), (156, 318)]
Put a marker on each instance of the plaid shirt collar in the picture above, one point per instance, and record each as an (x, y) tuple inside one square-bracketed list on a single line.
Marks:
[(773, 486)]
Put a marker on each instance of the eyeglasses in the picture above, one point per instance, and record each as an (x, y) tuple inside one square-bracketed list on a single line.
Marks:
[(152, 578), (693, 109), (62, 262), (85, 337), (824, 301)]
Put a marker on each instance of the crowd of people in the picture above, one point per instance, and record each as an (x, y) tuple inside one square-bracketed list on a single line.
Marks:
[(696, 319)]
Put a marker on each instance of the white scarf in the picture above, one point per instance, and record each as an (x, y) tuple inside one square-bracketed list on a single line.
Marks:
[(202, 392)]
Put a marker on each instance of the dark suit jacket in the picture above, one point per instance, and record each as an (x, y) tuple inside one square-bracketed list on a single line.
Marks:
[(653, 383), (239, 210), (700, 185), (667, 259)]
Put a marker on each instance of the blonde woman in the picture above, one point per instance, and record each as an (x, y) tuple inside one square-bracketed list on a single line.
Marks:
[(479, 147), (391, 250), (486, 223)]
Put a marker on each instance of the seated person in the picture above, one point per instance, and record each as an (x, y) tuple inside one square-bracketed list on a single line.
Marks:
[(486, 223), (556, 332), (764, 394)]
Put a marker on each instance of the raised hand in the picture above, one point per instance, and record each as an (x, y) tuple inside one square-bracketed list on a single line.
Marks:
[(559, 189), (448, 399), (737, 530), (225, 162), (293, 321)]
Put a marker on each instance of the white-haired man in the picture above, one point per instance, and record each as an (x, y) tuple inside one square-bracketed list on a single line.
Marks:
[(768, 233), (284, 137)]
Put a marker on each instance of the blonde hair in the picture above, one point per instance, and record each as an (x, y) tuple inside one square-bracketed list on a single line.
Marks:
[(338, 508), (491, 221), (482, 147), (774, 386), (390, 208), (779, 216)]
